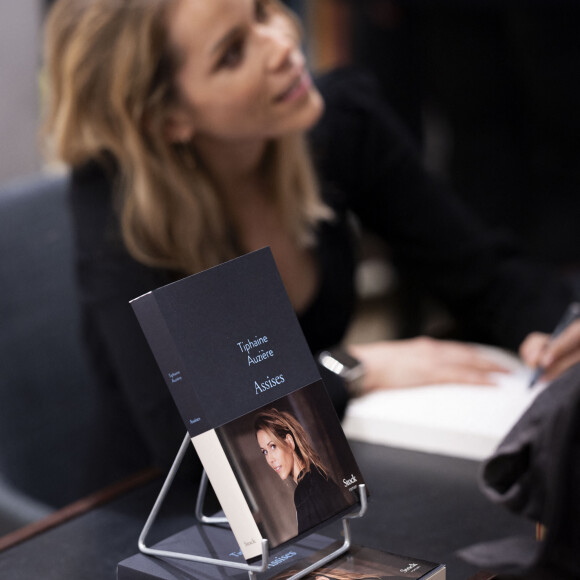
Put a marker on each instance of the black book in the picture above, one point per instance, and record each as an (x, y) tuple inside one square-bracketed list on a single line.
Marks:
[(359, 563), (215, 542), (240, 371), (362, 563)]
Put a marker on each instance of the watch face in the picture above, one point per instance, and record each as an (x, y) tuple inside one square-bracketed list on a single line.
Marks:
[(338, 361)]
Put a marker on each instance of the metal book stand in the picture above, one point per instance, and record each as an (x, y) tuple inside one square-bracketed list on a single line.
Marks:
[(251, 569)]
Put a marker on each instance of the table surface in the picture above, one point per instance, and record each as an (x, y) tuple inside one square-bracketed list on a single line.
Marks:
[(421, 505)]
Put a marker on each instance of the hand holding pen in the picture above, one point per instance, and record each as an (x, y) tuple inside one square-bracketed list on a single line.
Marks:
[(554, 353)]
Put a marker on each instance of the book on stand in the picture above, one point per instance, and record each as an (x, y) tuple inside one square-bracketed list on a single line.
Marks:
[(233, 355)]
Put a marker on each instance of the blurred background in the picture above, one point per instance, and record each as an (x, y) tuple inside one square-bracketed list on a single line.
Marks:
[(488, 88), (20, 23)]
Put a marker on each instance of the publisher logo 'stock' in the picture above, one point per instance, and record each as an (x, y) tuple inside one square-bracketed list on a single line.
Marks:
[(282, 558), (350, 481)]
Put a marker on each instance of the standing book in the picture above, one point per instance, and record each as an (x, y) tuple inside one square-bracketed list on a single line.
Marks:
[(233, 355)]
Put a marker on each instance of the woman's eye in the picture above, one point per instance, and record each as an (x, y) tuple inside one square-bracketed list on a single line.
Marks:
[(233, 55), (261, 10)]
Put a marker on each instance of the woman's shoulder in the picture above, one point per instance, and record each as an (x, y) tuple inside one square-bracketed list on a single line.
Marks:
[(91, 201), (347, 84), (357, 114), (358, 137), (93, 181), (314, 478)]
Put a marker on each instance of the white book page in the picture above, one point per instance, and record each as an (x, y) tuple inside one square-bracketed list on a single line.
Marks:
[(450, 419), (229, 493)]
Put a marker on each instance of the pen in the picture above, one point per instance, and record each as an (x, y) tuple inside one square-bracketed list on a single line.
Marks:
[(572, 312)]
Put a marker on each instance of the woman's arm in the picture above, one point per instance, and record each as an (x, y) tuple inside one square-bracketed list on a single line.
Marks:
[(496, 294), (437, 245), (422, 361)]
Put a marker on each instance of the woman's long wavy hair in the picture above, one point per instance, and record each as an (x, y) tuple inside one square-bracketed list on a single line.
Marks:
[(110, 74), (281, 424)]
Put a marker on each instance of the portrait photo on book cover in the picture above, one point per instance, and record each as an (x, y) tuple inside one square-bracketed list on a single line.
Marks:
[(362, 563), (293, 463)]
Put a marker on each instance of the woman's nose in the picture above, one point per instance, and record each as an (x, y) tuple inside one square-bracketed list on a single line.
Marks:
[(279, 46)]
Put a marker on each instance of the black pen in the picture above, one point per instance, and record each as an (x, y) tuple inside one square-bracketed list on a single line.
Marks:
[(571, 314)]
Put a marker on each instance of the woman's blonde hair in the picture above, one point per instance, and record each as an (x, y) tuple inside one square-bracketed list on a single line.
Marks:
[(110, 75), (281, 424)]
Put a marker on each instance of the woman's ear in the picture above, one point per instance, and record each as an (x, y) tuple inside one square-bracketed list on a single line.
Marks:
[(178, 127), (290, 441)]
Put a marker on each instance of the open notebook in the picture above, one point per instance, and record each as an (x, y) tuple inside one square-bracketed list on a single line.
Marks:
[(459, 420)]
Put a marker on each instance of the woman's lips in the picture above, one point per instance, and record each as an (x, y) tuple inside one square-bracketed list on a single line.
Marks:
[(298, 88)]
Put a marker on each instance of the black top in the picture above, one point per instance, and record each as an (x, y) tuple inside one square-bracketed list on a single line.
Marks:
[(368, 168), (316, 498)]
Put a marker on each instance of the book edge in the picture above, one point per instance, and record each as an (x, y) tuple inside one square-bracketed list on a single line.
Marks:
[(227, 489)]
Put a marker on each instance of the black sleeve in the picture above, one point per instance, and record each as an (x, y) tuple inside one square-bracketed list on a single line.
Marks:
[(436, 243)]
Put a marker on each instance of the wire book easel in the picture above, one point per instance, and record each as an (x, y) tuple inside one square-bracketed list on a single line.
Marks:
[(251, 569)]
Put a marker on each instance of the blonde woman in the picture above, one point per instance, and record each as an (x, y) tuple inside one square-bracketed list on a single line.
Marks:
[(195, 133)]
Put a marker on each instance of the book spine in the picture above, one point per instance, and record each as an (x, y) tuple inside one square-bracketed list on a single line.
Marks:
[(170, 362), (223, 479)]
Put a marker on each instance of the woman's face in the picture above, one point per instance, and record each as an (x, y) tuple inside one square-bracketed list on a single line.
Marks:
[(241, 72), (280, 457)]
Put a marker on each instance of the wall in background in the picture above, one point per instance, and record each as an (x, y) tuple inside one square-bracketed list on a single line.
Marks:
[(19, 96)]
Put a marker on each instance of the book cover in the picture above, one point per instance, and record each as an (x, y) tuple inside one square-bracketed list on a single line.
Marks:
[(213, 542), (362, 563), (240, 371), (359, 563)]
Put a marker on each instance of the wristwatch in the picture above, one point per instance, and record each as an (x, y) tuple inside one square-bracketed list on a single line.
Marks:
[(346, 366)]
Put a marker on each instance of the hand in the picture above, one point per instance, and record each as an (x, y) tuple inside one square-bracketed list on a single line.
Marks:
[(554, 356), (423, 361)]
